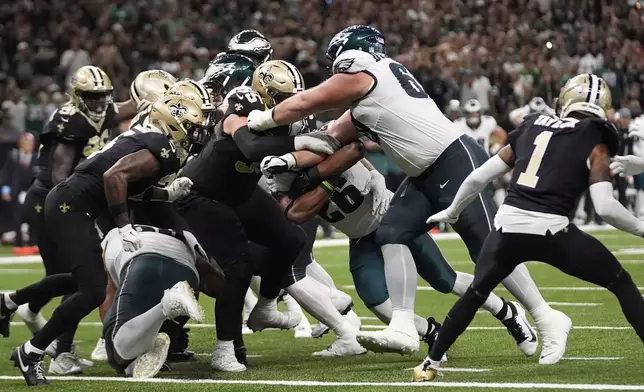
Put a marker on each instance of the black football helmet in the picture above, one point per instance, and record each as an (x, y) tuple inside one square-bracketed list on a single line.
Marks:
[(226, 72), (358, 37), (253, 44)]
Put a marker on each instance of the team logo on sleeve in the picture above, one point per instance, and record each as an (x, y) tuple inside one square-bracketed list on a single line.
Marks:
[(165, 153), (177, 110), (238, 107), (343, 65)]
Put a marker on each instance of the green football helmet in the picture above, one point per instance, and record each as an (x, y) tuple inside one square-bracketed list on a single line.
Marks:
[(251, 43), (227, 72), (358, 37)]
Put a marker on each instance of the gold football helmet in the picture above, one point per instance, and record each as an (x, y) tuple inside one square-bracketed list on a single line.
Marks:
[(91, 92), (277, 80), (587, 93), (148, 86), (196, 92), (180, 118)]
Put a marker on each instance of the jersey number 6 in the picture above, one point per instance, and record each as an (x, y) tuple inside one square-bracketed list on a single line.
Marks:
[(407, 81)]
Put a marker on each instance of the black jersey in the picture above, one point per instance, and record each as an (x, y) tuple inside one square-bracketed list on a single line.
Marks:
[(68, 125), (88, 175), (221, 171), (551, 161)]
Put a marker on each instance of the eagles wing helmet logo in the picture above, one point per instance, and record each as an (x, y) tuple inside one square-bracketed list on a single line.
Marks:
[(178, 110), (343, 65)]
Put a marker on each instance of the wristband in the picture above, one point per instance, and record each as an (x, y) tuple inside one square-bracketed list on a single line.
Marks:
[(118, 209), (326, 185)]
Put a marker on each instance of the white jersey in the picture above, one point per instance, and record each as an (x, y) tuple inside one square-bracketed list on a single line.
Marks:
[(482, 134), (151, 242), (349, 209), (517, 115), (397, 113)]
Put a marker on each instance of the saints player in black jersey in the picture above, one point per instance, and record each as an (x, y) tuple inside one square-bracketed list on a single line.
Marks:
[(129, 165), (555, 159), (76, 130)]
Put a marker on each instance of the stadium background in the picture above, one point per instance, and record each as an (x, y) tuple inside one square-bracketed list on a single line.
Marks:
[(502, 52)]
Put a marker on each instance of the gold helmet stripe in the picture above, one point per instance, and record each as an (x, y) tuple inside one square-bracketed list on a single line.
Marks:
[(98, 78), (202, 91), (593, 92), (299, 84)]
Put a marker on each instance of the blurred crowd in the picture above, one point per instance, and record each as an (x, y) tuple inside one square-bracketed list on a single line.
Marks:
[(500, 52)]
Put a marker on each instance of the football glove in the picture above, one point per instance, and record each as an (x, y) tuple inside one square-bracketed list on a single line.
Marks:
[(317, 142), (178, 188), (442, 216), (381, 195), (628, 165), (129, 238), (280, 183), (272, 165), (259, 120)]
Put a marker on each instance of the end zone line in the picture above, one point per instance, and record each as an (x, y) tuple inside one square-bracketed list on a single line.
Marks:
[(492, 385)]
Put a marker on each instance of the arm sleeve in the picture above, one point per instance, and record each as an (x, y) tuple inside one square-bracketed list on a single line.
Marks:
[(255, 147), (492, 169), (612, 211)]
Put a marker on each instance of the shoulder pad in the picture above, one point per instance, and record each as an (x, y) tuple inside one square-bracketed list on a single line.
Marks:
[(354, 61), (244, 100)]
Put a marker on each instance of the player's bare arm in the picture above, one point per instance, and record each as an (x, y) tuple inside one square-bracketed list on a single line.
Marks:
[(130, 168), (125, 110), (343, 130), (62, 162), (339, 91), (601, 192)]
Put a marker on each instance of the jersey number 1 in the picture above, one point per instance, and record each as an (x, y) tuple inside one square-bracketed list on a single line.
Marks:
[(529, 177)]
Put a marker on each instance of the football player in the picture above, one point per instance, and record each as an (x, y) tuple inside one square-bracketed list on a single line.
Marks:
[(129, 165), (79, 128), (388, 104), (536, 105), (155, 283), (275, 81), (453, 110), (555, 159), (481, 128)]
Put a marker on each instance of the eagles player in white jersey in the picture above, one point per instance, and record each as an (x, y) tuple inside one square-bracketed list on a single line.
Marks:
[(536, 105), (481, 128), (388, 104), (145, 288), (348, 202)]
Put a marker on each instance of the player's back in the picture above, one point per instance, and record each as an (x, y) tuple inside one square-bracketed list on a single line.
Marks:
[(397, 112), (551, 161)]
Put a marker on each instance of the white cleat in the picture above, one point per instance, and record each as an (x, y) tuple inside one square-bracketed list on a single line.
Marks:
[(519, 328), (51, 349), (318, 330), (226, 362), (150, 363), (554, 334), (303, 332), (34, 321), (99, 353), (180, 301), (389, 340), (245, 329), (82, 362), (353, 319), (346, 347), (64, 364), (260, 319)]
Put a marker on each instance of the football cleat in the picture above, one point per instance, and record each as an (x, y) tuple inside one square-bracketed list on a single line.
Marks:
[(519, 328), (303, 329), (82, 362), (30, 365), (245, 329), (554, 334), (353, 319), (34, 321), (342, 348), (389, 340), (424, 372), (318, 330), (150, 363), (241, 355), (65, 364), (52, 348), (5, 317), (260, 319), (225, 361), (431, 335), (180, 301), (99, 353)]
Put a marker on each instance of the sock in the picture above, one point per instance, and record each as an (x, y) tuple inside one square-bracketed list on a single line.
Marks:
[(294, 307), (631, 301), (505, 313), (493, 304), (266, 304), (401, 276), (136, 336), (255, 283), (224, 347), (9, 303), (249, 303), (457, 320), (520, 284), (30, 349), (313, 297), (384, 313), (317, 272)]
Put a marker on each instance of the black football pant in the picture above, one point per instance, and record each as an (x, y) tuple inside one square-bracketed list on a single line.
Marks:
[(570, 250), (225, 231), (35, 215), (79, 247)]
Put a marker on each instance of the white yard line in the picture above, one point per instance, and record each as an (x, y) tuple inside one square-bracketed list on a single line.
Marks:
[(592, 358), (459, 370), (556, 288), (574, 303), (297, 383), (247, 355)]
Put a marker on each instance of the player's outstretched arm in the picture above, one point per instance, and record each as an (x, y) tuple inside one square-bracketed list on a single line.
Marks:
[(492, 169), (601, 192), (306, 206), (130, 168)]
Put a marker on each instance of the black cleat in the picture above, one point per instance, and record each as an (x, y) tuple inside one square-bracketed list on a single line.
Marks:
[(432, 332), (5, 317), (240, 354), (181, 356), (30, 365)]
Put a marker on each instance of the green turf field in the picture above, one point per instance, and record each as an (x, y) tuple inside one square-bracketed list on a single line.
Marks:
[(602, 348)]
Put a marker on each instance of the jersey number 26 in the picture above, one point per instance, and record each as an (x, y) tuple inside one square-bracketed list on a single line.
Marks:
[(347, 200)]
